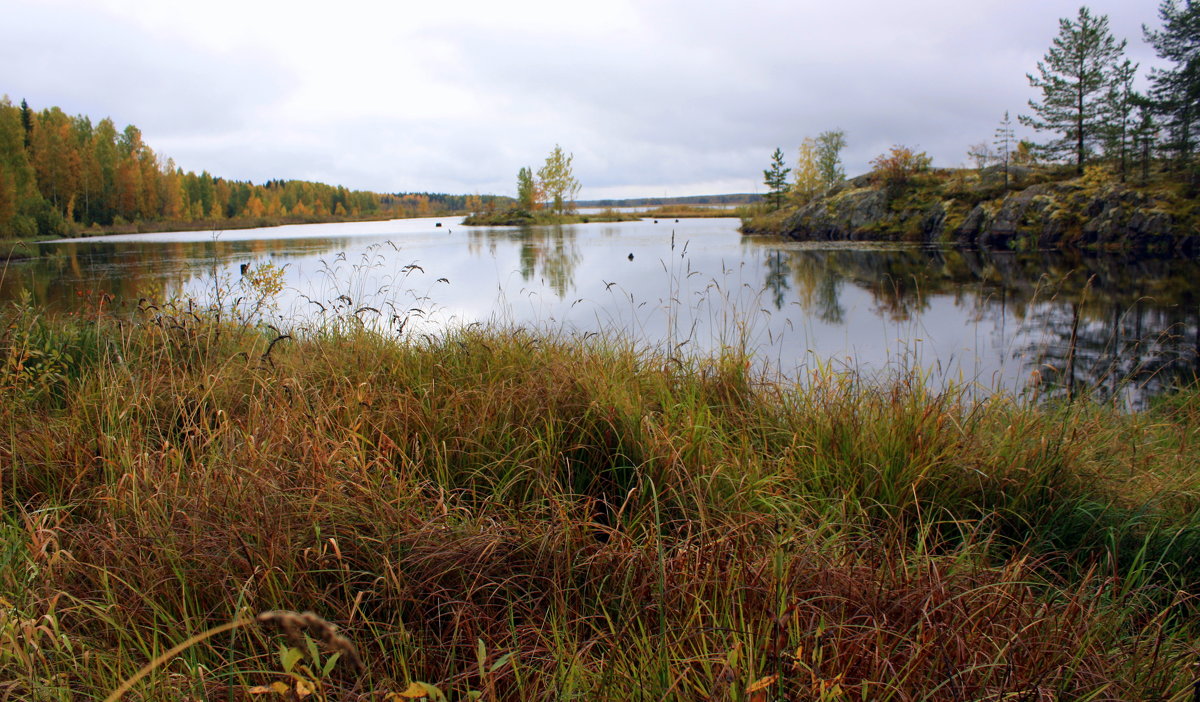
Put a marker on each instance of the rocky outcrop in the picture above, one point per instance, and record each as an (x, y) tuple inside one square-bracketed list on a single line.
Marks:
[(1079, 213)]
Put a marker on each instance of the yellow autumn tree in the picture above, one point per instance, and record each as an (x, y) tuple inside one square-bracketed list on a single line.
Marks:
[(255, 207), (808, 173), (558, 181), (55, 157)]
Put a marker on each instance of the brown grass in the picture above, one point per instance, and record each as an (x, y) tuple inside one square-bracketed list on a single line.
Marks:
[(507, 516)]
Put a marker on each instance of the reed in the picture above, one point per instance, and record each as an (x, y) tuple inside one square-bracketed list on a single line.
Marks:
[(500, 513)]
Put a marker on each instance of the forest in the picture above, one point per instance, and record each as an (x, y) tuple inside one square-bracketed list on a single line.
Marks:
[(63, 175)]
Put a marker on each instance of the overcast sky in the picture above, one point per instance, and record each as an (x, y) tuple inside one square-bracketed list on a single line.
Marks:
[(653, 97)]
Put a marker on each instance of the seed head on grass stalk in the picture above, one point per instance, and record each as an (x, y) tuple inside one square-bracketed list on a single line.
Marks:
[(293, 624)]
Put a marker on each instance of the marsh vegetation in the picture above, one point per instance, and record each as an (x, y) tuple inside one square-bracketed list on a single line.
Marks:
[(518, 511), (529, 516)]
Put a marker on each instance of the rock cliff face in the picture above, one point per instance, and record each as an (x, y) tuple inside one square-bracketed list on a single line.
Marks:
[(1080, 213)]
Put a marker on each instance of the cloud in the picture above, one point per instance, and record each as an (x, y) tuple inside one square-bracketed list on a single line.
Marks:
[(650, 96), (89, 61)]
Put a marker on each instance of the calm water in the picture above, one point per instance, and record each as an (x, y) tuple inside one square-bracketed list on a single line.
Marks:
[(995, 319)]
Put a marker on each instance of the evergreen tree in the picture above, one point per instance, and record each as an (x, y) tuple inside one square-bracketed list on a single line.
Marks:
[(1004, 142), (1122, 100), (27, 123), (1175, 91), (776, 179), (1075, 81), (1144, 138)]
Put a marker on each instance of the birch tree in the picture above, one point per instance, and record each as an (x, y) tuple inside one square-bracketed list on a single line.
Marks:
[(558, 181)]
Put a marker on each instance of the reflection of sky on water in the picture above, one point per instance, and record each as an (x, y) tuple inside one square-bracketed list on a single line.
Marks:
[(690, 288)]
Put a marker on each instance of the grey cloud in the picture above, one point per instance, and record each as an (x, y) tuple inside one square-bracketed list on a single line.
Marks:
[(89, 62), (687, 93)]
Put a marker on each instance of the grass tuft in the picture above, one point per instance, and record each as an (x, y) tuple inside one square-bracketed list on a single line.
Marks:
[(504, 514)]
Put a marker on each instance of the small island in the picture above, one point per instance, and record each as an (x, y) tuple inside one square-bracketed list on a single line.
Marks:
[(546, 198)]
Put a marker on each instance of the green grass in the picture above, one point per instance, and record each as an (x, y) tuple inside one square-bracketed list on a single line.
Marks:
[(503, 514)]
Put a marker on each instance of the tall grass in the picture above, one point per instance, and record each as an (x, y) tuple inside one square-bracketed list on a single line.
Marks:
[(503, 514)]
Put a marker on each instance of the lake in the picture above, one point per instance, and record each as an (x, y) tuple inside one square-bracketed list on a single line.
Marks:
[(1015, 321)]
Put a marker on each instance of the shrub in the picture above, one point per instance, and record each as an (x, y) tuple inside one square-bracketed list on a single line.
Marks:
[(897, 169)]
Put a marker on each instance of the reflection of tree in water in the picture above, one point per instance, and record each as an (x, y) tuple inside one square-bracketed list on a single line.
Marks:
[(1107, 324), (1111, 348), (549, 252), (893, 279), (777, 278), (62, 273), (1115, 326), (817, 284)]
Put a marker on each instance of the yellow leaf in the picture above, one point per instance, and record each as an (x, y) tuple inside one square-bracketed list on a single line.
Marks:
[(798, 659), (277, 688), (303, 688), (762, 684), (415, 691)]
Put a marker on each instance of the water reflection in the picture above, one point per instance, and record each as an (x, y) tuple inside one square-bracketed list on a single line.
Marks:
[(1075, 322), (549, 253), (1047, 322)]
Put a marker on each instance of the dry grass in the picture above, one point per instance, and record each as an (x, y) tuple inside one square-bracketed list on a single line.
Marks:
[(502, 515)]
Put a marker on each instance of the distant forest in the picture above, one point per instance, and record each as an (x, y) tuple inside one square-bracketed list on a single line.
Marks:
[(60, 175)]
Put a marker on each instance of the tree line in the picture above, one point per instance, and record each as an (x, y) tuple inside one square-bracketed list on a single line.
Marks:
[(60, 174), (1087, 108)]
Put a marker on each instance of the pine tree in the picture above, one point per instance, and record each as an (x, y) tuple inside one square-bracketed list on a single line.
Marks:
[(1144, 138), (1121, 102), (27, 123), (1076, 76), (1175, 91), (1003, 143), (776, 179)]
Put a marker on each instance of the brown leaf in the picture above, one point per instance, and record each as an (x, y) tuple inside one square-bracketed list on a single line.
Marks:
[(762, 684)]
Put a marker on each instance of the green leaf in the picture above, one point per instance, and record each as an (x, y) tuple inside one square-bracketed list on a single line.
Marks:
[(332, 661), (288, 658), (500, 662)]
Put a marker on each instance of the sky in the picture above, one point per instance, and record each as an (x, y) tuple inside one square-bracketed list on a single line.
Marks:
[(652, 97)]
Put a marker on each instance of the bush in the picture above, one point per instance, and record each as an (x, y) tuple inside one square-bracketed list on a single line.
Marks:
[(47, 219), (898, 168)]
